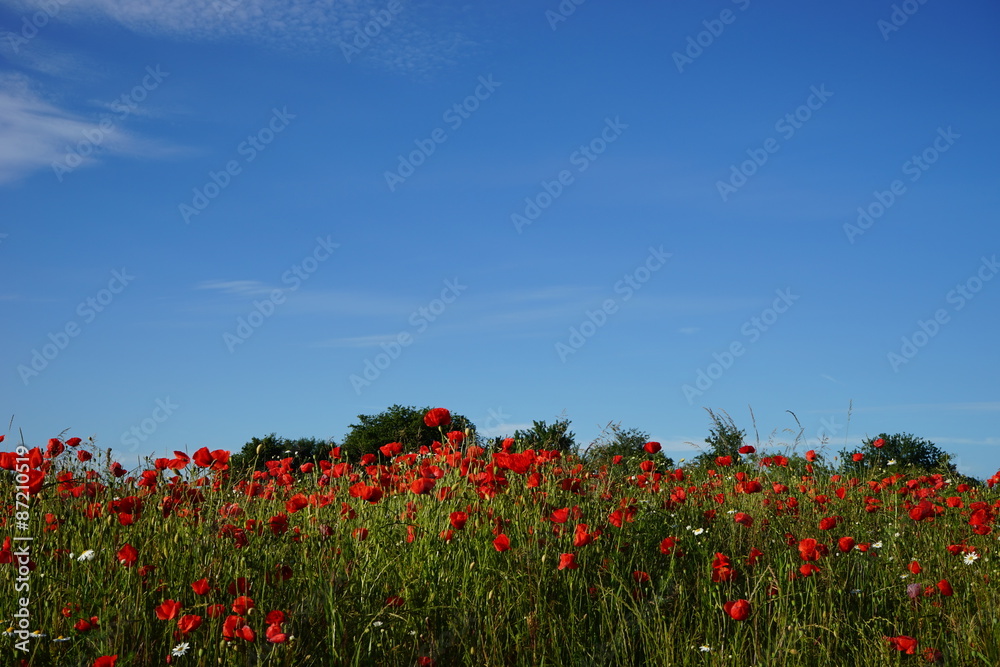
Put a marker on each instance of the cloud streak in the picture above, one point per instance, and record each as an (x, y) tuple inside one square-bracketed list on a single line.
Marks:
[(413, 41), (36, 133)]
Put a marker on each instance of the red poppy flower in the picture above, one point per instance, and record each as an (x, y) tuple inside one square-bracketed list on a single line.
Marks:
[(360, 534), (456, 437), (568, 562), (903, 643), (501, 543), (394, 601), (200, 587), (188, 623), (857, 456), (945, 588), (54, 449), (878, 442), (845, 544), (242, 605), (127, 555), (422, 486), (83, 625), (652, 447), (582, 538), (914, 567), (754, 556), (215, 610), (560, 515), (458, 520), (640, 576), (811, 455), (437, 417), (723, 461), (216, 460), (391, 449), (168, 610), (106, 661), (743, 518), (739, 610), (275, 635), (807, 569), (747, 449), (667, 545), (234, 627), (828, 522)]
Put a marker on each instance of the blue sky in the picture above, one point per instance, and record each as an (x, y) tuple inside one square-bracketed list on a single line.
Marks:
[(216, 217)]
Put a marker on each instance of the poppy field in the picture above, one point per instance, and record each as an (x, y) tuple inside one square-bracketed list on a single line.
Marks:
[(460, 555)]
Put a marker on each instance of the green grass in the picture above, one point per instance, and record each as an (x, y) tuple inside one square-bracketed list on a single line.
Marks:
[(463, 602)]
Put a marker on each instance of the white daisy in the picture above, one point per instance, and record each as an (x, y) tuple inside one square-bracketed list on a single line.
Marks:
[(86, 555), (970, 558), (181, 649), (704, 648)]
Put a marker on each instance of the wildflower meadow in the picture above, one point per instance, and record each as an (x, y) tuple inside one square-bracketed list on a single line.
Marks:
[(459, 554)]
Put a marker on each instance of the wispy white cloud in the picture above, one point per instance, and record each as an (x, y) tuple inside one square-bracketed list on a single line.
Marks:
[(240, 287), (37, 132), (418, 38)]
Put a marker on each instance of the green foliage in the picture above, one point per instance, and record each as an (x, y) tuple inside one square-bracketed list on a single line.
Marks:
[(905, 450), (724, 439), (625, 442), (543, 436), (403, 424), (271, 447)]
